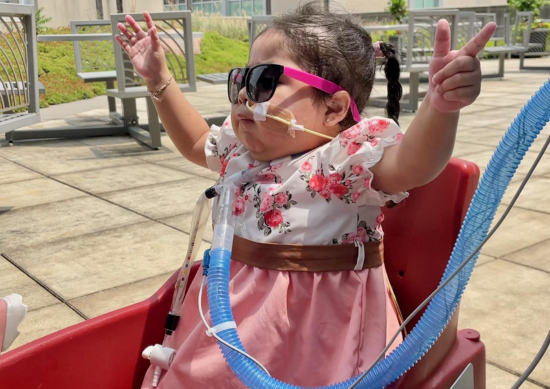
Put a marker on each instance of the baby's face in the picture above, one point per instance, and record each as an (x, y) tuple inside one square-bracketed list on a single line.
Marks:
[(268, 140)]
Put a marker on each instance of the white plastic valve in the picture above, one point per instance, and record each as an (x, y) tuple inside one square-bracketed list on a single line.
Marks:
[(14, 311), (159, 356)]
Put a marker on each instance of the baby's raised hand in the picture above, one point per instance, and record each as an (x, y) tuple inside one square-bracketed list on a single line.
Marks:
[(144, 49), (455, 76)]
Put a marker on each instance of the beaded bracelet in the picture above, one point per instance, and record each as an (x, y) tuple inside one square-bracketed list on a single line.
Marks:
[(155, 95)]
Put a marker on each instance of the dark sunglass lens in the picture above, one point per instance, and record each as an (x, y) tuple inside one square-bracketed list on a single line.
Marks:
[(235, 84), (262, 82)]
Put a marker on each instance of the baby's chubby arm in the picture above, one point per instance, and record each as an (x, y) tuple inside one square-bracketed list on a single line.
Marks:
[(185, 126), (455, 82)]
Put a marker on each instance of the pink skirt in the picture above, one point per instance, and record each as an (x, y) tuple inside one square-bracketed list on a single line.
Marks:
[(307, 329)]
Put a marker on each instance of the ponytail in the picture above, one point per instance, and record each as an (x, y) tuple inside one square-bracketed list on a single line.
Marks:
[(392, 70)]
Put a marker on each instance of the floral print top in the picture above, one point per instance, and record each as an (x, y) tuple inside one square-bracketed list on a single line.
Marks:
[(324, 196)]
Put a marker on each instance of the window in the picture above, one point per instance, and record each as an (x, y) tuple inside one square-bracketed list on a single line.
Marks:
[(208, 6), (224, 7), (246, 7), (420, 4), (175, 5)]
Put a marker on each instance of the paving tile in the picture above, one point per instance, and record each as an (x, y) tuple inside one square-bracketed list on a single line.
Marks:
[(502, 101), (482, 159), (60, 220), (187, 166), (122, 177), (500, 379), (13, 280), (536, 256), (484, 259), (45, 321), (508, 305), (168, 151), (11, 172), (485, 137), (34, 192), (183, 223), (522, 228), (163, 200), (463, 149), (59, 157), (109, 300), (91, 263), (535, 196)]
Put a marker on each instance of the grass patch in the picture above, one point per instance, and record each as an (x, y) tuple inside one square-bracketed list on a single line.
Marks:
[(57, 68)]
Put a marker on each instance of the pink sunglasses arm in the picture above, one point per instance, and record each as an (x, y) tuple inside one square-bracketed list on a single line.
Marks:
[(321, 84)]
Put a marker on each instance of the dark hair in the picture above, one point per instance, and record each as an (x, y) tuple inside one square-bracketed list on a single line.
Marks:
[(334, 47)]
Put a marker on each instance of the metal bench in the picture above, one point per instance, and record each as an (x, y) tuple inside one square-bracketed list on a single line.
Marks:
[(176, 34), (19, 85), (519, 44), (256, 24), (214, 78), (539, 45), (416, 48), (95, 60)]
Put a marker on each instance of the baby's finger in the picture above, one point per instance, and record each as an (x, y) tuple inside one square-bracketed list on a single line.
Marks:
[(466, 95), (458, 65), (140, 34), (128, 34), (152, 30), (478, 42), (123, 44), (459, 80)]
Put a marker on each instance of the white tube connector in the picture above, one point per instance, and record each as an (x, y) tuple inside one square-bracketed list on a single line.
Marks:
[(160, 357)]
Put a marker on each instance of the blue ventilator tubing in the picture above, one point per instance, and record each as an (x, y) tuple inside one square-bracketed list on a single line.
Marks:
[(507, 157)]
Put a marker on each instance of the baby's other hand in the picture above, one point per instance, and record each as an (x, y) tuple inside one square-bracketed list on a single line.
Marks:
[(455, 76)]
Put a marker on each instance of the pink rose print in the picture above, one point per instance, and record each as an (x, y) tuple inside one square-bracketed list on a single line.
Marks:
[(380, 218), (224, 166), (362, 234), (226, 124), (274, 218), (269, 206), (335, 178), (275, 167), (238, 208), (347, 183), (267, 178), (355, 196), (339, 190), (273, 188), (373, 142), (399, 137), (378, 125), (306, 167), (325, 193), (353, 147), (266, 204), (352, 133), (350, 238), (317, 182), (358, 169), (367, 183), (281, 199)]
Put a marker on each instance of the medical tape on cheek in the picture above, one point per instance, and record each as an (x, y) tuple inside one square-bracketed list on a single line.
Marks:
[(260, 111), (264, 111)]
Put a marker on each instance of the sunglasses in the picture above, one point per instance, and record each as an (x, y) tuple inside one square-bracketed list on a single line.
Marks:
[(261, 82)]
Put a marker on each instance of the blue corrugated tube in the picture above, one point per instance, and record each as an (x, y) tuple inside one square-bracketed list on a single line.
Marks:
[(508, 155)]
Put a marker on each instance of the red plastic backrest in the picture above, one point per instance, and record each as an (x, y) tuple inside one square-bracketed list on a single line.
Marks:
[(420, 233)]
